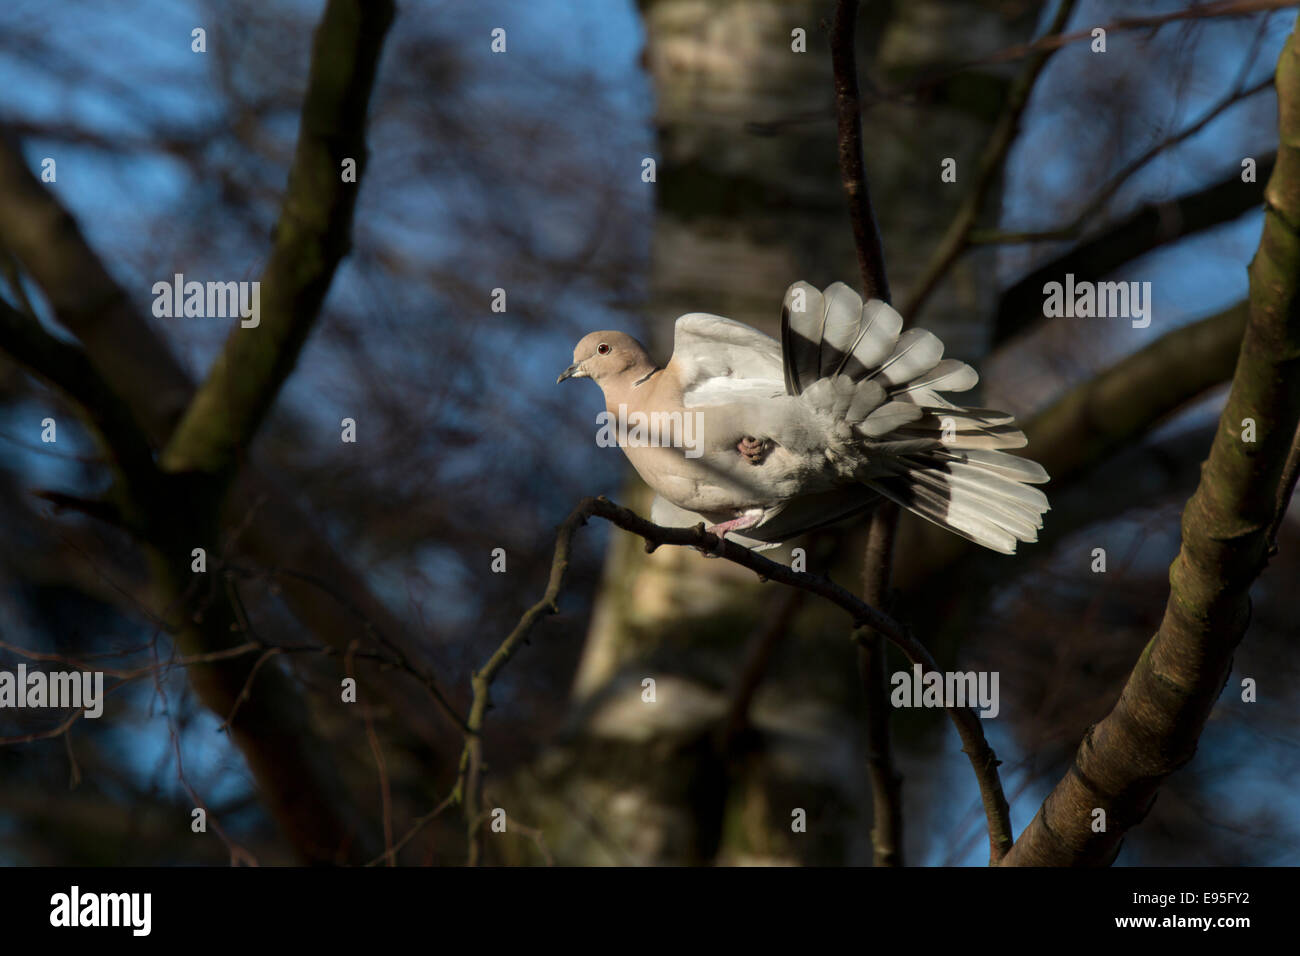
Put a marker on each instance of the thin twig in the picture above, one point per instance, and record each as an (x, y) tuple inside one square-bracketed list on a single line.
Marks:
[(848, 112), (1094, 205), (415, 829), (974, 745), (915, 89), (1204, 11), (471, 764), (1113, 185), (887, 830), (1285, 489), (886, 781), (246, 690), (396, 657), (381, 765), (758, 655), (956, 239)]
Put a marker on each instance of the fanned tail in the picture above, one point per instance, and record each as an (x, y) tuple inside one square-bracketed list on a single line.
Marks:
[(941, 461)]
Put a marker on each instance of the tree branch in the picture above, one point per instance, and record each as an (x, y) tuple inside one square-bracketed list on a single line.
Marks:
[(1201, 11), (1147, 228), (311, 237), (848, 112), (66, 367), (974, 744), (956, 239), (44, 237), (302, 787), (1093, 419), (1154, 727), (137, 365), (1097, 417), (886, 783)]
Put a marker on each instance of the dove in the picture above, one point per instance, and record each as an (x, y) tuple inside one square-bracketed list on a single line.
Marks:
[(847, 410)]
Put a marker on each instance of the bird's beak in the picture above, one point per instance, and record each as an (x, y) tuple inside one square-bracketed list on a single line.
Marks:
[(573, 371)]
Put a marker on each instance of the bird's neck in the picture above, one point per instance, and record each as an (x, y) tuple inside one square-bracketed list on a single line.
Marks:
[(636, 389)]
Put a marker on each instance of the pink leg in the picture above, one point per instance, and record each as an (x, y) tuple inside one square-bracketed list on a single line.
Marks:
[(746, 520)]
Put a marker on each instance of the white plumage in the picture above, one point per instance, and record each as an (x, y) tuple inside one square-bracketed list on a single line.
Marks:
[(845, 409)]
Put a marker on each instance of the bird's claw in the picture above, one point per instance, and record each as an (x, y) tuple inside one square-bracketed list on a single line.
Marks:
[(752, 449)]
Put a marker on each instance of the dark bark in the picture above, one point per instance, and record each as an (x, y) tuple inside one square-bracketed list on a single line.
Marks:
[(1151, 226), (1154, 727)]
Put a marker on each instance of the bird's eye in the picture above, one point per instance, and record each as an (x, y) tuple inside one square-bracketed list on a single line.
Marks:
[(602, 348)]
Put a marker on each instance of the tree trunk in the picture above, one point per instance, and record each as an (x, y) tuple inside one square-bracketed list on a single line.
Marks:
[(748, 200)]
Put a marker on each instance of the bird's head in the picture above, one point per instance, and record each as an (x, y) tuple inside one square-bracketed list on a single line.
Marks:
[(604, 356)]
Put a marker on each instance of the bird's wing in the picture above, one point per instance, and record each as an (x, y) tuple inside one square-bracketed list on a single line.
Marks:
[(719, 361)]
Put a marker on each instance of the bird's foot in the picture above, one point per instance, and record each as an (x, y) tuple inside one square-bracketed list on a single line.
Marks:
[(752, 449), (746, 520)]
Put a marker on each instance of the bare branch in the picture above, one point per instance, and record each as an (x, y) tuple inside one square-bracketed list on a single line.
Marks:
[(758, 655), (1113, 409), (956, 239), (848, 111), (974, 744), (154, 385), (67, 367), (1154, 727), (1146, 228), (886, 782), (1202, 11), (312, 236)]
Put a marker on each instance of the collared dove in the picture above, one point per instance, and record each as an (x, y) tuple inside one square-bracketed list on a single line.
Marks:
[(767, 440)]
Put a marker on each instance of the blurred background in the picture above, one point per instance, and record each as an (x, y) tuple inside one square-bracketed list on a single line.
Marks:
[(522, 170)]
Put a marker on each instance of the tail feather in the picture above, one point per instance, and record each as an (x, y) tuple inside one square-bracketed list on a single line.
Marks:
[(915, 353), (894, 448), (985, 496), (940, 509), (964, 436), (888, 418), (840, 327), (983, 484), (803, 316), (875, 341), (982, 416), (1014, 517), (949, 375), (1012, 466), (944, 462)]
